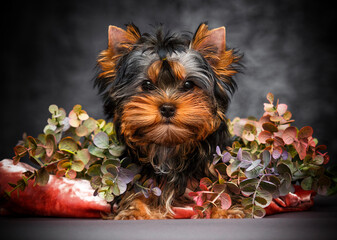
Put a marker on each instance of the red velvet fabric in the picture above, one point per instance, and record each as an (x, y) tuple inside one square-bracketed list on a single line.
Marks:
[(63, 197)]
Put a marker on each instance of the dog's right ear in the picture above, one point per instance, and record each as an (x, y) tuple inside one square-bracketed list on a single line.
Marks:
[(121, 40)]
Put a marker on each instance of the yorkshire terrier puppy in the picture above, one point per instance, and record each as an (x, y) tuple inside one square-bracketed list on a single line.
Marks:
[(167, 95)]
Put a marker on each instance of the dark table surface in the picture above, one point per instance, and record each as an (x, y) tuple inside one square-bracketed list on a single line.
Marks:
[(319, 223)]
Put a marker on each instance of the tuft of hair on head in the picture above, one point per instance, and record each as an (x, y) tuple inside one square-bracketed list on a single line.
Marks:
[(212, 46)]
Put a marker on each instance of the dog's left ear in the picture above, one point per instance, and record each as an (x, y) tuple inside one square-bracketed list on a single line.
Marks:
[(212, 46)]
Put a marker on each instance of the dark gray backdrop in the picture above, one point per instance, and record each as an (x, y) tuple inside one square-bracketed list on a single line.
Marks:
[(49, 51)]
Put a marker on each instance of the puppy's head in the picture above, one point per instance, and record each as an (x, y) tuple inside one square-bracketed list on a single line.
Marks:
[(166, 90)]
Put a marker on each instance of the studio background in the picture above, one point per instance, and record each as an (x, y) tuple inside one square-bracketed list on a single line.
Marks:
[(50, 48)]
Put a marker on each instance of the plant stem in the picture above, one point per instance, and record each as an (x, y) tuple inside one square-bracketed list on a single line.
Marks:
[(17, 186), (213, 202), (255, 192)]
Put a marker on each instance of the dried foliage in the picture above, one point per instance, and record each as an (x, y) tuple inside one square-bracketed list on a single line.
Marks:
[(268, 156)]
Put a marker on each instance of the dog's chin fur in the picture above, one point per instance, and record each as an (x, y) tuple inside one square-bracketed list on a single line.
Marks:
[(174, 151)]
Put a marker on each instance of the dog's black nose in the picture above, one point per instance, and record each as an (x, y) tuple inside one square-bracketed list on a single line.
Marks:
[(167, 110)]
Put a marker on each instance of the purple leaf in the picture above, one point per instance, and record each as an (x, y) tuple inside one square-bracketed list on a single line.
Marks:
[(284, 155), (145, 193), (156, 191), (239, 155), (125, 175), (218, 151), (121, 185), (226, 157)]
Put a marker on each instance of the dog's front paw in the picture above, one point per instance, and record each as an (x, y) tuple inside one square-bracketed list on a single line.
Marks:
[(230, 213), (138, 210), (132, 214)]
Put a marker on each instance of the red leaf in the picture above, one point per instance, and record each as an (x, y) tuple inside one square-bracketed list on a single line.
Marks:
[(301, 148), (269, 127), (289, 135), (225, 200), (264, 135), (60, 173), (203, 187), (278, 142), (281, 109), (321, 148), (206, 181), (305, 132), (199, 200), (326, 159), (71, 174), (270, 97), (264, 119)]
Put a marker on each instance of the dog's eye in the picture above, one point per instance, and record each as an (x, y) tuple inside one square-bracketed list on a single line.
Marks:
[(188, 85), (148, 86)]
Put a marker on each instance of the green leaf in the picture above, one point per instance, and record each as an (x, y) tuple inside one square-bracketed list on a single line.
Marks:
[(42, 177), (108, 179), (254, 173), (90, 124), (82, 155), (233, 188), (109, 128), (101, 140), (318, 160), (98, 152), (221, 167), (268, 186), (247, 202), (253, 165), (116, 150), (283, 168), (263, 198), (82, 131), (266, 158), (77, 165), (96, 182), (109, 168), (77, 108), (259, 212), (68, 144), (94, 170), (254, 146), (53, 109), (306, 183), (248, 186), (115, 190), (21, 184)]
